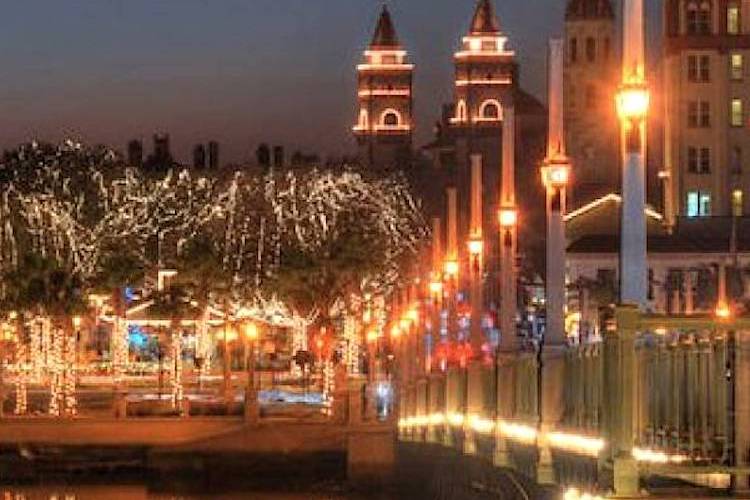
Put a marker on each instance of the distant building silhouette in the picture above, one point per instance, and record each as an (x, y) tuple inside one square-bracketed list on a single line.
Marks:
[(199, 156), (278, 156), (263, 155), (213, 155), (161, 158), (135, 153)]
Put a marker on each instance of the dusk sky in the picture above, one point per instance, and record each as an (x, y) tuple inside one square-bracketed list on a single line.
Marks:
[(239, 71)]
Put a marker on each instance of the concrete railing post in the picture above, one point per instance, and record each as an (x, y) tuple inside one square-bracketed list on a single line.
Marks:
[(625, 467)]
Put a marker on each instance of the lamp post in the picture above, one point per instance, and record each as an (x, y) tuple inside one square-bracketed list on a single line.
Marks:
[(251, 395), (633, 101), (551, 361), (475, 400)]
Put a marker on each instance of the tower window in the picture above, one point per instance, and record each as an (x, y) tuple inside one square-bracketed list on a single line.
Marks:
[(490, 110), (736, 66), (461, 111), (590, 49), (364, 119), (391, 119), (699, 114), (737, 115), (573, 50), (733, 19)]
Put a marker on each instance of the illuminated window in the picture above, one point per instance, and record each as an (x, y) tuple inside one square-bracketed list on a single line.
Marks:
[(698, 204), (733, 19), (490, 110), (590, 49), (736, 66), (737, 117), (461, 111), (737, 202)]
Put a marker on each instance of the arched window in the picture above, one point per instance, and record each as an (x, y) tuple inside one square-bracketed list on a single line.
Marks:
[(364, 118), (590, 49), (490, 110), (704, 19), (390, 118), (461, 111), (691, 18)]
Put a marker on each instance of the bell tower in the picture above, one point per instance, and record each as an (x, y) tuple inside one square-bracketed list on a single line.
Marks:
[(484, 88), (591, 77), (384, 121)]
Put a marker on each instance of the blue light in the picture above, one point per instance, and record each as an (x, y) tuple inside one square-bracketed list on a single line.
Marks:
[(129, 294), (137, 337)]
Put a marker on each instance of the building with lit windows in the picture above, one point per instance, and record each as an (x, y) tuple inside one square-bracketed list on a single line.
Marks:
[(706, 58), (591, 75), (384, 119)]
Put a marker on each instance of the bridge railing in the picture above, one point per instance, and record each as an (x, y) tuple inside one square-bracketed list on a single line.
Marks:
[(657, 395)]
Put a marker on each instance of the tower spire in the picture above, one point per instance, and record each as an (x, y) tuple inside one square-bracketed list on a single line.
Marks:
[(484, 21), (385, 33)]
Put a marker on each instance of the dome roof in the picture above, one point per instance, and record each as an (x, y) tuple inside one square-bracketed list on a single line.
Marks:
[(589, 9)]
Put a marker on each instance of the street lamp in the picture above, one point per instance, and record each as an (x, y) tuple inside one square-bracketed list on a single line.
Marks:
[(633, 101), (508, 218), (451, 269)]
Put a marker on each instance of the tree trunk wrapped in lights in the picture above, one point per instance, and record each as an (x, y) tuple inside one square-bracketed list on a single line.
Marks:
[(22, 376)]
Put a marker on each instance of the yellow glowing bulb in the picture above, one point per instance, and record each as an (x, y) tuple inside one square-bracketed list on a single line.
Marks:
[(723, 311), (556, 176), (229, 335), (436, 288), (508, 217), (476, 246), (251, 331), (395, 332), (451, 268), (372, 336), (77, 321), (633, 102), (413, 315)]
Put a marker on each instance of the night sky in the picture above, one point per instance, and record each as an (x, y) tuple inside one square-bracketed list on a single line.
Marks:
[(239, 71)]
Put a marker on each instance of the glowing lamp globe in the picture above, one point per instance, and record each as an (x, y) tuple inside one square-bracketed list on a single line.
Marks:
[(556, 175), (395, 332), (77, 322), (508, 217), (476, 245), (723, 311), (436, 288), (251, 331), (633, 101), (372, 336), (451, 268), (413, 315)]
